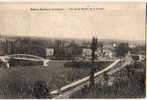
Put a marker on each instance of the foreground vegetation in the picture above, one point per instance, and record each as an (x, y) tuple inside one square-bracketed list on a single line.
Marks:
[(17, 82), (132, 87)]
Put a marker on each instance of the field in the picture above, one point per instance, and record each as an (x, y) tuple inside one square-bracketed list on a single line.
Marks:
[(17, 82)]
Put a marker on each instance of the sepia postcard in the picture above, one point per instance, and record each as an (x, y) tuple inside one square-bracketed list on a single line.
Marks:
[(72, 50)]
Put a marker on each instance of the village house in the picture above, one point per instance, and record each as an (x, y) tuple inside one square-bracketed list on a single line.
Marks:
[(86, 53), (49, 52)]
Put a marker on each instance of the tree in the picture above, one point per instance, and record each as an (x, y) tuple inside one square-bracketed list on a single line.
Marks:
[(135, 58), (122, 49), (59, 52), (72, 51), (93, 48), (41, 90), (101, 46)]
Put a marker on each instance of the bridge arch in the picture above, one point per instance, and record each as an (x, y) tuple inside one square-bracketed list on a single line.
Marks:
[(28, 57), (25, 55)]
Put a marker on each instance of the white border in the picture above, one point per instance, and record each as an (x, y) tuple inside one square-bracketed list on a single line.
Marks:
[(73, 1)]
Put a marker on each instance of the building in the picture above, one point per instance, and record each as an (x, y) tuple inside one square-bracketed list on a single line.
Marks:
[(132, 46), (72, 50), (108, 53), (86, 52), (49, 52)]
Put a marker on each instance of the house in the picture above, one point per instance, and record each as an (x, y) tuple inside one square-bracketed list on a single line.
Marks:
[(49, 52), (109, 46), (132, 46), (108, 53), (86, 52)]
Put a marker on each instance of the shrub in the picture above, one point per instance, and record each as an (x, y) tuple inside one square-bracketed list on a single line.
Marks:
[(41, 90)]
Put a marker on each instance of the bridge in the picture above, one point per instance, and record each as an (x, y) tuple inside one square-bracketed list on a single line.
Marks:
[(78, 84), (67, 90), (27, 57)]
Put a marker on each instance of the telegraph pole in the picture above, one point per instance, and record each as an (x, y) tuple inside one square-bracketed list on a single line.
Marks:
[(93, 48)]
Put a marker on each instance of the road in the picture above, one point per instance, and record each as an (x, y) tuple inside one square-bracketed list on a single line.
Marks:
[(67, 94), (111, 69), (75, 86)]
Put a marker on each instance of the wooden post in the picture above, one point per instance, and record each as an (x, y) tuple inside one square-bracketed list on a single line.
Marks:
[(93, 48)]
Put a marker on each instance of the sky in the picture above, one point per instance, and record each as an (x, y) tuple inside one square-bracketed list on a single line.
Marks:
[(125, 21)]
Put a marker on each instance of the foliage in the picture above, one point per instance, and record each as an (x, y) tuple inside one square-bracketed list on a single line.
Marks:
[(135, 58), (72, 51), (133, 87), (141, 49), (15, 79), (59, 51), (41, 90), (26, 46), (93, 48), (122, 49)]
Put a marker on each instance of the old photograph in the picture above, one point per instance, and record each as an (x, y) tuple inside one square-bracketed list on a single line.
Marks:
[(73, 50)]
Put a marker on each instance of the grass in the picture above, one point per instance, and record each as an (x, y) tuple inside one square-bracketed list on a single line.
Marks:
[(17, 82)]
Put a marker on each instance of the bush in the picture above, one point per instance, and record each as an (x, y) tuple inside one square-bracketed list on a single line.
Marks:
[(41, 90)]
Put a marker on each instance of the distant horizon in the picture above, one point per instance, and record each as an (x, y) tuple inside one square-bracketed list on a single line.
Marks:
[(87, 39)]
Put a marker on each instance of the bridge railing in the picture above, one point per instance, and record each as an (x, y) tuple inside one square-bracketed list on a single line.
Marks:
[(25, 55)]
